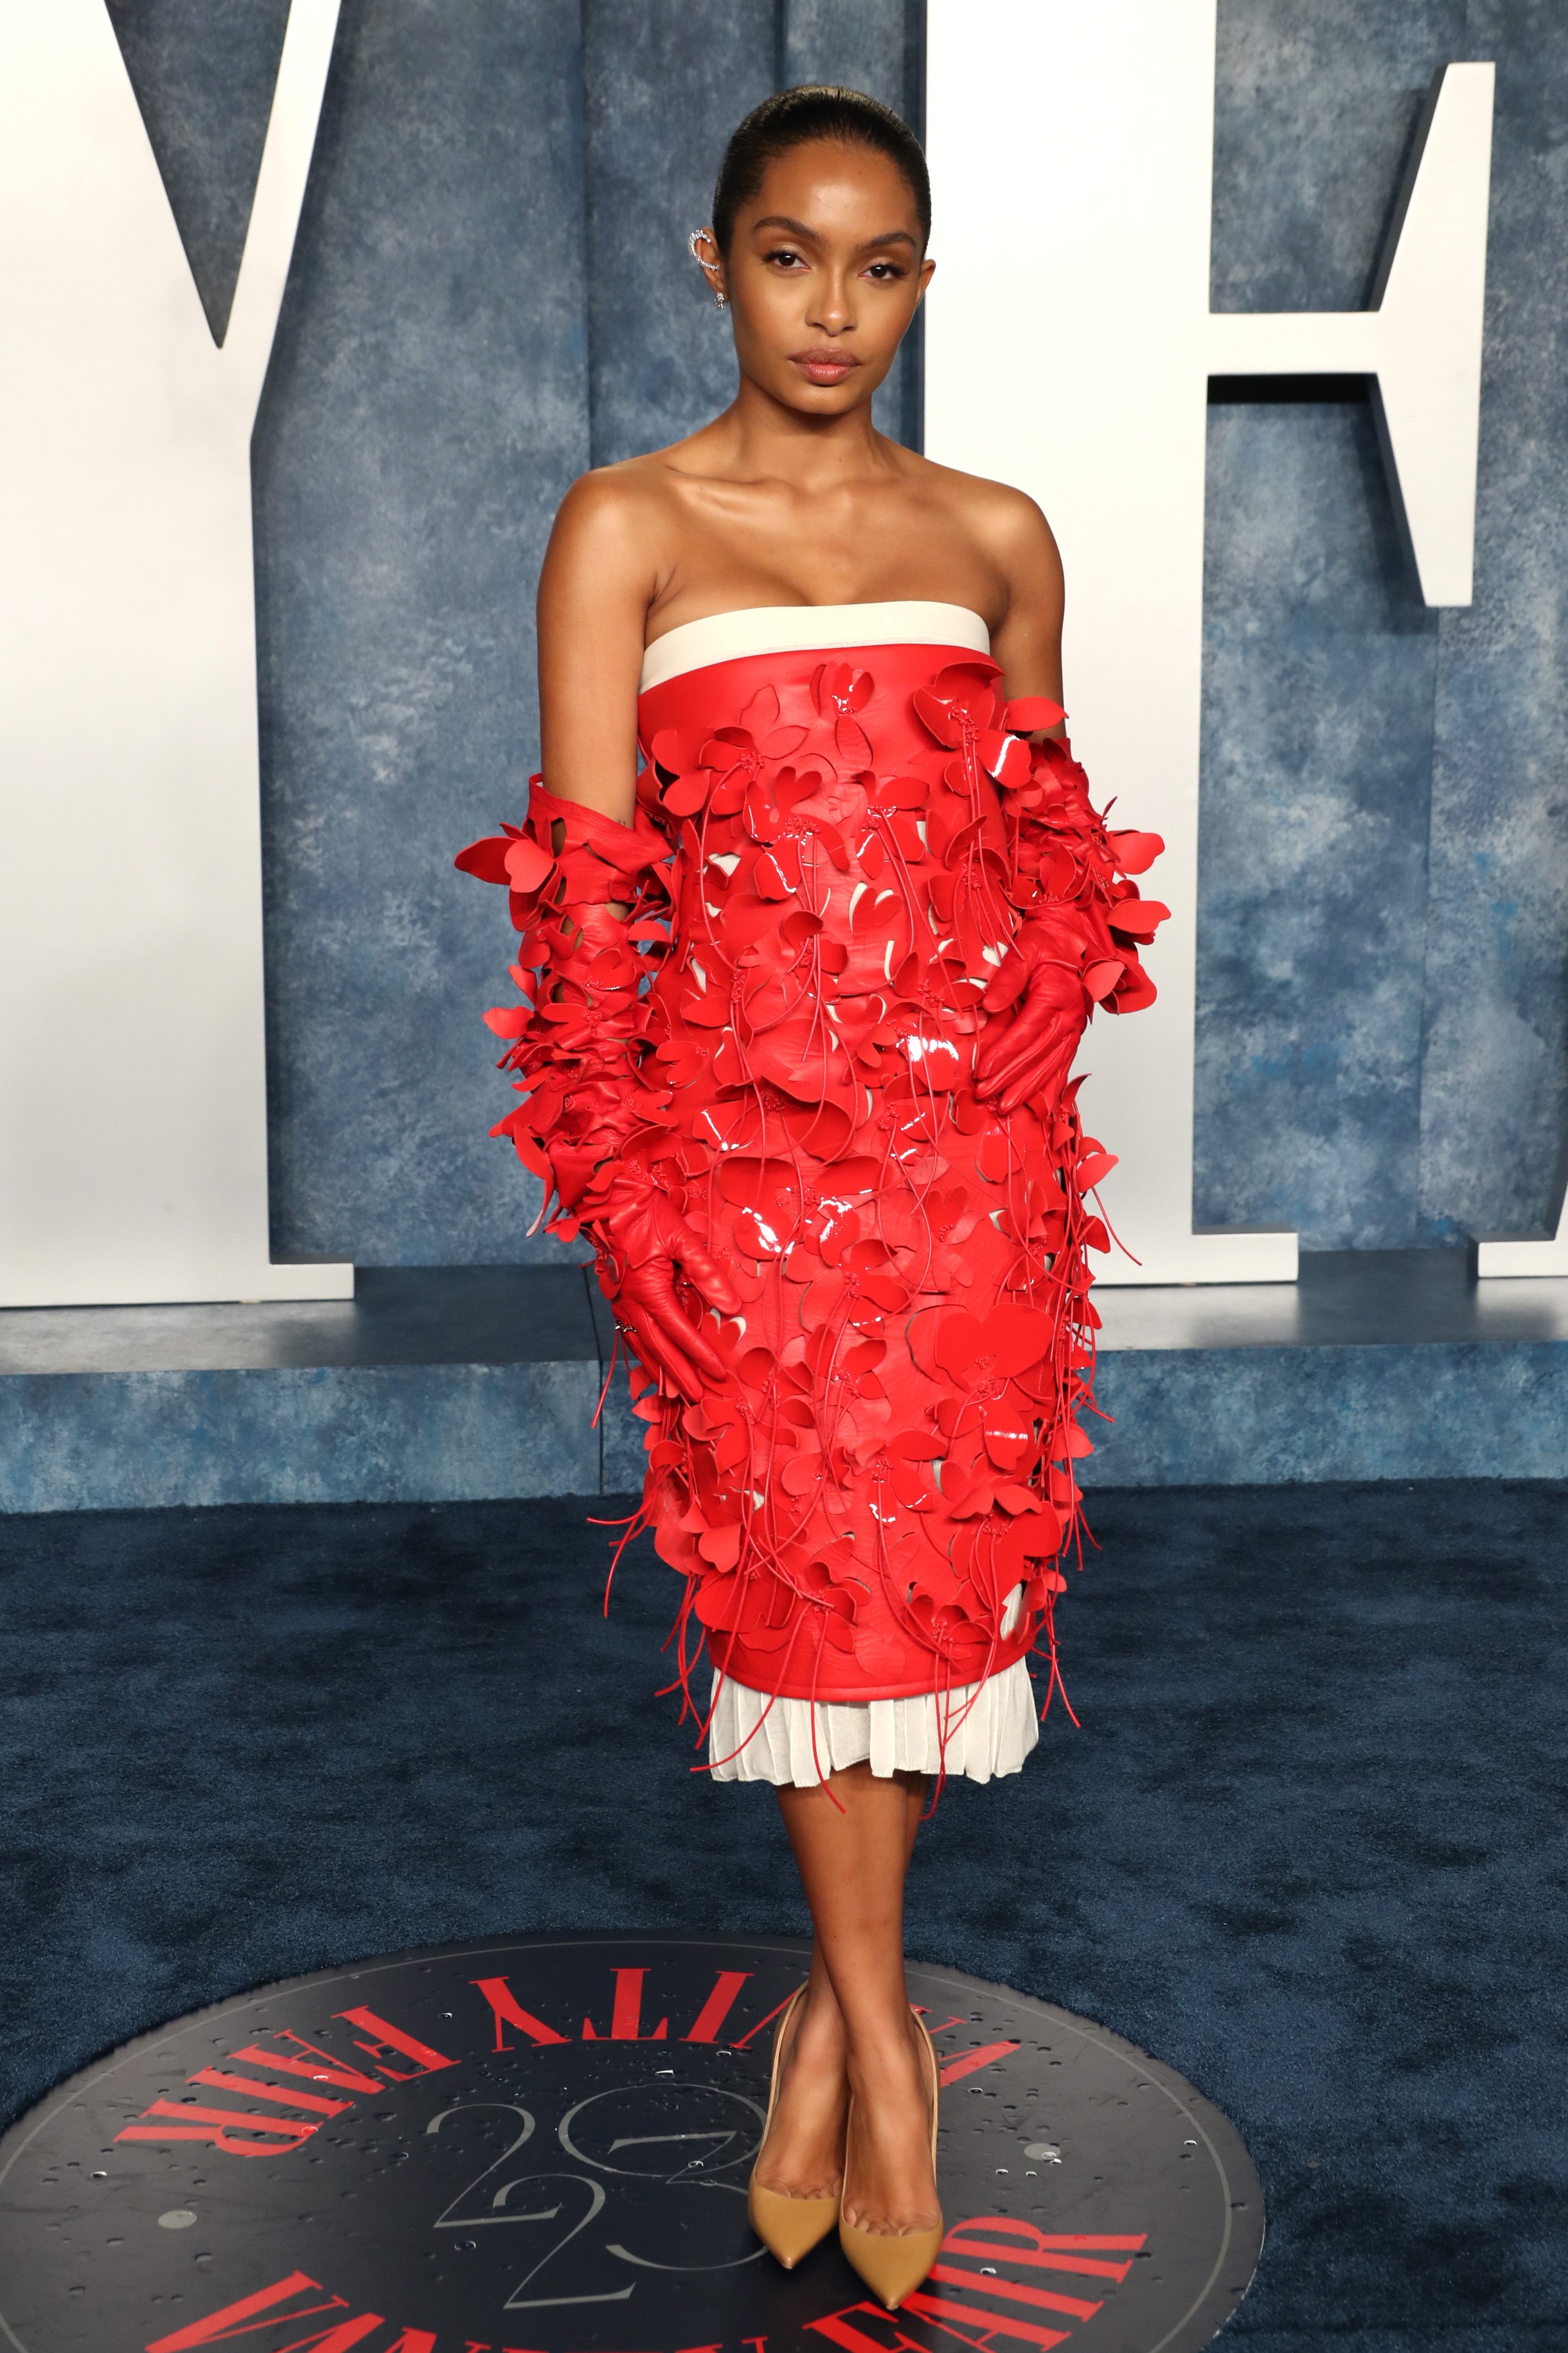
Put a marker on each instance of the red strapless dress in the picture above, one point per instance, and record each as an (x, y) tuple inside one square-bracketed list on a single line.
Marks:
[(867, 859)]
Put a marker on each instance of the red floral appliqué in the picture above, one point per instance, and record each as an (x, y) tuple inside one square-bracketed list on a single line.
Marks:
[(793, 1054)]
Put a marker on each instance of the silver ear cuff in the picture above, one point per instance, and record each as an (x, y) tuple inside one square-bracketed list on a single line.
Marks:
[(721, 300)]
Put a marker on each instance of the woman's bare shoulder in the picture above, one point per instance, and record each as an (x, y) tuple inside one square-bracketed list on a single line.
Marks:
[(611, 533), (624, 514), (612, 503), (1007, 522)]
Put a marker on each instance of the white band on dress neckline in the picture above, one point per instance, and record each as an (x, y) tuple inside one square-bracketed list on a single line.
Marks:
[(810, 629)]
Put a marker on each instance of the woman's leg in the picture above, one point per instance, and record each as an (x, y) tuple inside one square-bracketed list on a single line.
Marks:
[(855, 2023), (804, 2156)]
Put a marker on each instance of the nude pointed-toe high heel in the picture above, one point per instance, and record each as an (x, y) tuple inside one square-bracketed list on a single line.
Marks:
[(893, 2263), (788, 2227)]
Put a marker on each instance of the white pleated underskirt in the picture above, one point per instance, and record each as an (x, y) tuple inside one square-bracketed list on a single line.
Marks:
[(979, 1730), (990, 1728)]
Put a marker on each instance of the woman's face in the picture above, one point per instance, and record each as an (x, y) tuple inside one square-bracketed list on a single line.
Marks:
[(824, 276)]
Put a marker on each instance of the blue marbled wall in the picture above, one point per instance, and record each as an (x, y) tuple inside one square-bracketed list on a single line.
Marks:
[(427, 407), (203, 72), (1494, 1090), (1316, 779), (1383, 982), (491, 292)]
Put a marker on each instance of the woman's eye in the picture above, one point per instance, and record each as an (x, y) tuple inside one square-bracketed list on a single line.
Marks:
[(884, 273), (783, 253)]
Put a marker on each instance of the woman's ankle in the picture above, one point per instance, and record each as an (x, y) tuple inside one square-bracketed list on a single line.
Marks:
[(882, 2059), (818, 2022)]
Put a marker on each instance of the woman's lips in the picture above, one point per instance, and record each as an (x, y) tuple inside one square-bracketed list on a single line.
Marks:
[(825, 366)]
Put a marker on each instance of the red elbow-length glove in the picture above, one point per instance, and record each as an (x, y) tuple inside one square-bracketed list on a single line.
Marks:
[(1083, 920), (587, 897)]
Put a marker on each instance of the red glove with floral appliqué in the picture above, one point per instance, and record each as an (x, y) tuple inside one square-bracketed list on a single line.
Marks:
[(588, 898), (1084, 921)]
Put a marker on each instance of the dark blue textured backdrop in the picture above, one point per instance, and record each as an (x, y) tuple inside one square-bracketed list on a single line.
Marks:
[(491, 292), (1382, 986)]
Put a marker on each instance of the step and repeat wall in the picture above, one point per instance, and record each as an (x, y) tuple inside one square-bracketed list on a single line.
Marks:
[(490, 290)]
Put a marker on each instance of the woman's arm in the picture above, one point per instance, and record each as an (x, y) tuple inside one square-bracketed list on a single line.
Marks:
[(598, 581), (1028, 645)]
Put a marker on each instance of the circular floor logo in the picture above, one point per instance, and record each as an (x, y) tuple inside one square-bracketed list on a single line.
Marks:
[(543, 2145)]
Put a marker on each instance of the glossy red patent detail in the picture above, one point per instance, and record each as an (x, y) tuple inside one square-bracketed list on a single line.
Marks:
[(809, 1097)]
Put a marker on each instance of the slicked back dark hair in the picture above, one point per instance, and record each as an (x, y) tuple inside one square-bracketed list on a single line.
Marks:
[(815, 111)]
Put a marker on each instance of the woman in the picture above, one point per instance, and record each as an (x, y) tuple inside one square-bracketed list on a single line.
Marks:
[(799, 1004)]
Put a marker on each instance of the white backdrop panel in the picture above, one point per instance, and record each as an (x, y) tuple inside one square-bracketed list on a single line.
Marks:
[(133, 1149)]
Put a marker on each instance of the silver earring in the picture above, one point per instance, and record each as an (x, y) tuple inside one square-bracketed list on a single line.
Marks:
[(721, 300)]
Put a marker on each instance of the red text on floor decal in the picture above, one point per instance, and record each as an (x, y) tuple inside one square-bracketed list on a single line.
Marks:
[(237, 2133), (966, 2061), (254, 2315), (993, 2242), (625, 2018)]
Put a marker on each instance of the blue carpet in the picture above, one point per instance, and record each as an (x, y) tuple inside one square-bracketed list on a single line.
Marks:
[(1308, 1845)]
